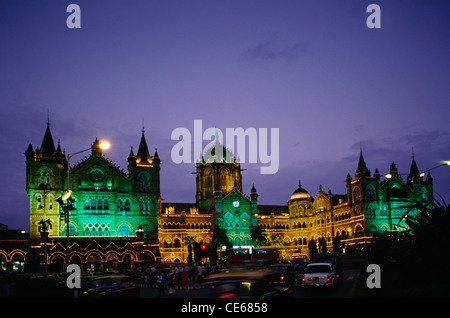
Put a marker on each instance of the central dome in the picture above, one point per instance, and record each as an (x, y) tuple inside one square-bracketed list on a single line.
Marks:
[(211, 156), (300, 193)]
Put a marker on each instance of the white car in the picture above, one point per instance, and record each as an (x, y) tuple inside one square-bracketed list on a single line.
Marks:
[(320, 274)]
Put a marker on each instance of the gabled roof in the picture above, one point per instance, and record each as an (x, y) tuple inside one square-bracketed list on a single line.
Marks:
[(100, 160), (233, 192)]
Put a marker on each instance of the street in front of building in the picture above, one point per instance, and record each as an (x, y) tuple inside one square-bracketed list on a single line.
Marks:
[(198, 290)]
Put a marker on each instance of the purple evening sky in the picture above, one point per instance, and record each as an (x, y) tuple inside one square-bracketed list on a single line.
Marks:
[(313, 69)]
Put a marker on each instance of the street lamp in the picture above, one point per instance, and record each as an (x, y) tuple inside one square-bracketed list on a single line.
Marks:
[(421, 174), (44, 225), (68, 194)]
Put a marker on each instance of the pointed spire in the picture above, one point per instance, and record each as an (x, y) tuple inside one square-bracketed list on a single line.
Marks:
[(253, 189), (414, 170), (59, 146), (47, 146), (143, 155), (29, 153), (349, 178), (131, 152), (362, 168), (393, 169), (377, 173)]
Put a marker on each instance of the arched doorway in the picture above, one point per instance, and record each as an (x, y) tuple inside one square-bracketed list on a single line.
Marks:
[(57, 264), (94, 262), (127, 262), (112, 262)]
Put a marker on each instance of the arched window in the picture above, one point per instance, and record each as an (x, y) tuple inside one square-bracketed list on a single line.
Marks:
[(356, 195), (45, 176), (225, 179), (50, 201), (370, 192), (39, 201), (372, 228), (72, 230), (144, 182), (208, 181), (145, 205), (371, 209), (127, 206), (124, 230)]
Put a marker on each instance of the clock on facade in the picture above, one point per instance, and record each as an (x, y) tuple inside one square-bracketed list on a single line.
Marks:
[(236, 204)]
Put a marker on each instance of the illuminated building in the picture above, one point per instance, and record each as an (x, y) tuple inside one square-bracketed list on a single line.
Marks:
[(112, 205), (371, 205)]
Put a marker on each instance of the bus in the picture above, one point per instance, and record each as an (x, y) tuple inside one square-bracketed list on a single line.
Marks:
[(250, 254)]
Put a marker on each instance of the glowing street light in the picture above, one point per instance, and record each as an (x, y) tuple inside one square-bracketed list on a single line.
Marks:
[(104, 145), (67, 195), (421, 174)]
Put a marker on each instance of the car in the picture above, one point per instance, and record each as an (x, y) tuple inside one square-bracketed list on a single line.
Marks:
[(287, 273), (110, 286), (332, 258), (320, 274), (257, 283)]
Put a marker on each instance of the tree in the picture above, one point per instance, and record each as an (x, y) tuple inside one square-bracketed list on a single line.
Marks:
[(312, 248), (337, 244), (219, 239), (421, 246), (277, 240), (322, 245), (258, 237), (189, 241)]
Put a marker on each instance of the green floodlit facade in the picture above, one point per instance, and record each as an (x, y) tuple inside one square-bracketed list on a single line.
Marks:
[(113, 204), (108, 201)]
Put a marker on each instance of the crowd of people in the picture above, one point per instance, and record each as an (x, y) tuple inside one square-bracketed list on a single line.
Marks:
[(178, 276)]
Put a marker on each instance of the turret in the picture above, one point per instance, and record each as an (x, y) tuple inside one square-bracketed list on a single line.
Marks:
[(362, 168)]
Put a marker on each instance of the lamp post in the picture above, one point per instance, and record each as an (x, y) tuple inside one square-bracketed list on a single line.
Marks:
[(421, 174), (44, 224), (68, 194)]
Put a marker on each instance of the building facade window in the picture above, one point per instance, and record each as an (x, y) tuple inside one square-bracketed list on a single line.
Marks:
[(96, 205), (144, 182), (123, 230)]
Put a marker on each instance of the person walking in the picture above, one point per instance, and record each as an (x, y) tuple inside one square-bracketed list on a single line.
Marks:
[(159, 277), (171, 283), (184, 276)]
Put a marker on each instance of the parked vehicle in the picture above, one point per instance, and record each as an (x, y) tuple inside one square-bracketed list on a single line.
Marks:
[(287, 273), (331, 258), (320, 274), (249, 254), (113, 286), (246, 284)]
